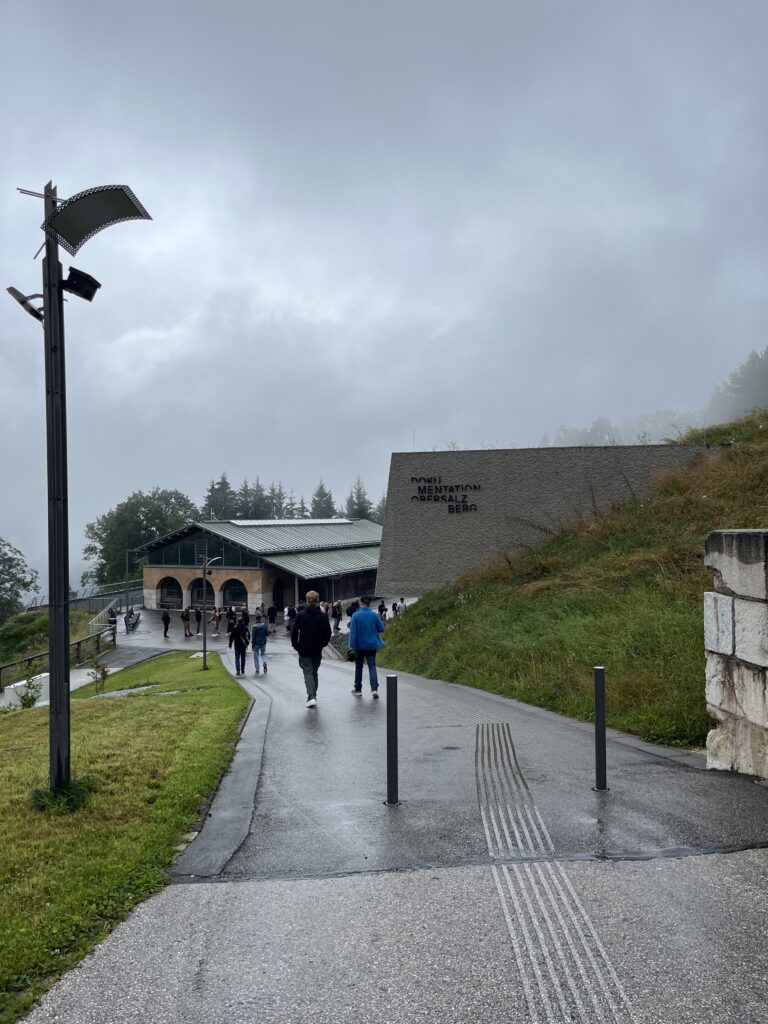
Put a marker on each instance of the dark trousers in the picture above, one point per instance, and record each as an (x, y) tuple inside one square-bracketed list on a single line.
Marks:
[(309, 667), (165, 629), (370, 658), (239, 658)]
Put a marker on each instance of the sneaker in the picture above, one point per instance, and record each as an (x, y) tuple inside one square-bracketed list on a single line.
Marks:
[(311, 703), (375, 694), (265, 670), (357, 693)]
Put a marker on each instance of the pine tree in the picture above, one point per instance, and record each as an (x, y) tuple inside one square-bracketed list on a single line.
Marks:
[(276, 500), (302, 512), (358, 505), (220, 500), (378, 513), (322, 503), (260, 507), (289, 511), (245, 501)]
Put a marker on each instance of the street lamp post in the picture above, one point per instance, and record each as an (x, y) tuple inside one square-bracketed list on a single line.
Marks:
[(206, 562), (69, 222), (58, 526)]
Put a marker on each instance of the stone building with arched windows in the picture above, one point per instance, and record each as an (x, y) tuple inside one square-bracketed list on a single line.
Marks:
[(269, 561)]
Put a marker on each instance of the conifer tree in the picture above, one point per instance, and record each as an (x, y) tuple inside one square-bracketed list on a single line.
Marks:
[(276, 500), (322, 503), (378, 513), (358, 505)]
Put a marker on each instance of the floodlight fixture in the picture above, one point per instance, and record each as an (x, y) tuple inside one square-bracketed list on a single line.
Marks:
[(82, 216), (82, 284), (25, 301)]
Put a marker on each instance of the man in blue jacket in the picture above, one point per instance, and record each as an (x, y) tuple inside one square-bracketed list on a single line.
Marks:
[(365, 641)]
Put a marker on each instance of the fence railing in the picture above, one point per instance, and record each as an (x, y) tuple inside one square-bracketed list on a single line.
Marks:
[(80, 651), (102, 619)]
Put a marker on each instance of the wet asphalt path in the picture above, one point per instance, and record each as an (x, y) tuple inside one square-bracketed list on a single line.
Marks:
[(501, 889)]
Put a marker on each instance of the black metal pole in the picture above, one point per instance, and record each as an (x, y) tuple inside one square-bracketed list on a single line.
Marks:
[(205, 623), (125, 619), (58, 528), (392, 740), (601, 783)]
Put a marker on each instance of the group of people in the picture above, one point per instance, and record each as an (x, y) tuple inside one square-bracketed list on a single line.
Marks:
[(309, 627), (311, 633)]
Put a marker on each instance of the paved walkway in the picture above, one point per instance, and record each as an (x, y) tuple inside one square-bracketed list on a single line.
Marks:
[(502, 888)]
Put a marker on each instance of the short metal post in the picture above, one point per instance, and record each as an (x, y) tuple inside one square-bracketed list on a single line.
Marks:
[(601, 783), (392, 740)]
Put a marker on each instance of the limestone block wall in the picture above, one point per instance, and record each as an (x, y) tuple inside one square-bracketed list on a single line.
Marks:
[(736, 643)]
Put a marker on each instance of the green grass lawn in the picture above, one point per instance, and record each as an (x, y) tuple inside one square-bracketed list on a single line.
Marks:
[(624, 591), (66, 879)]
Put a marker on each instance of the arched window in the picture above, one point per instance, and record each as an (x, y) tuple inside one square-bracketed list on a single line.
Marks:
[(196, 596), (169, 593), (234, 592)]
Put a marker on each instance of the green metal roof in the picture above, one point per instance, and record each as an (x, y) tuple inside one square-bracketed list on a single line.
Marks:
[(330, 562), (269, 536)]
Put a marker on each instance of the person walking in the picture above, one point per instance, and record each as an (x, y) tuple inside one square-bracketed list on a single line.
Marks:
[(336, 614), (239, 638), (185, 620), (198, 617), (351, 609), (216, 620), (401, 606), (365, 641), (166, 622), (310, 633), (272, 619), (287, 619), (291, 617), (231, 618), (395, 610), (245, 615), (259, 635), (383, 611)]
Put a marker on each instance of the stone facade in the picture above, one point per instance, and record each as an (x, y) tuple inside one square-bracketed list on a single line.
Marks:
[(257, 582), (452, 511), (736, 642)]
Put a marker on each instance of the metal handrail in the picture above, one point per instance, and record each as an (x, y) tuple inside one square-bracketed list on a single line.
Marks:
[(23, 664), (101, 619)]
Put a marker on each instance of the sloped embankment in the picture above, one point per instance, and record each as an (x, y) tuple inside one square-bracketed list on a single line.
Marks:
[(624, 590)]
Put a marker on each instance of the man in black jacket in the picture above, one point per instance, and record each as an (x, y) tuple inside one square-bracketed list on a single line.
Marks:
[(310, 633)]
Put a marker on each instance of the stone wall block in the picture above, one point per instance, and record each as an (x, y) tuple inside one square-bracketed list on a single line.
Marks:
[(718, 623), (750, 620), (738, 560), (737, 745), (737, 690)]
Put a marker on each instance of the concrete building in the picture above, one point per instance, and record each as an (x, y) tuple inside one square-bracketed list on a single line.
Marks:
[(261, 560), (452, 511)]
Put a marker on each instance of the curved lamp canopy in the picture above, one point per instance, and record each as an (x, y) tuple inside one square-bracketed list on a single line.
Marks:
[(82, 216)]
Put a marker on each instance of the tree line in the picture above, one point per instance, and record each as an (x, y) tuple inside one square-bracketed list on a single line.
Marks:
[(144, 516), (745, 389)]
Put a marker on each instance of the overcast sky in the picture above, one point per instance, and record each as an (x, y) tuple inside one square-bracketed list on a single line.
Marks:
[(374, 223)]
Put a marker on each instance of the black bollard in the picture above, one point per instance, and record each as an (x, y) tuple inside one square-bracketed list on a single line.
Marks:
[(392, 740), (601, 784)]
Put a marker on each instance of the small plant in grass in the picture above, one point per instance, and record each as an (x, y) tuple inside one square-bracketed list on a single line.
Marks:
[(98, 674), (33, 687), (64, 799)]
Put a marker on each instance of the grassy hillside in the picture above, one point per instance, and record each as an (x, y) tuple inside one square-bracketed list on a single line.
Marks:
[(27, 633), (624, 590)]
